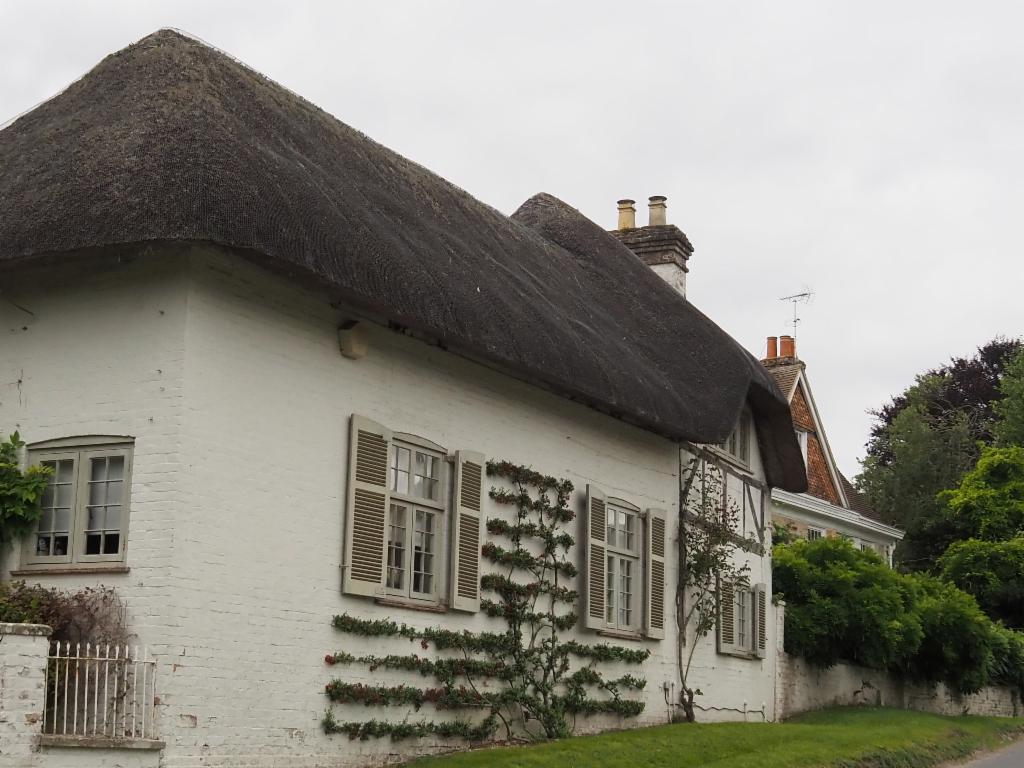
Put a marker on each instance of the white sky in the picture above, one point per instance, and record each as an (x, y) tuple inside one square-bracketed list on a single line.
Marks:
[(870, 151)]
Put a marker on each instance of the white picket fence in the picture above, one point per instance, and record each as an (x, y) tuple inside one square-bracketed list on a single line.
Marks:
[(100, 690)]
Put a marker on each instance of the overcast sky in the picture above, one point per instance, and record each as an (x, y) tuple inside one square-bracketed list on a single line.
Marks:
[(869, 151)]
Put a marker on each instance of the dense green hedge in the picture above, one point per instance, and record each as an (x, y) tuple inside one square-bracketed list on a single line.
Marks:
[(843, 604)]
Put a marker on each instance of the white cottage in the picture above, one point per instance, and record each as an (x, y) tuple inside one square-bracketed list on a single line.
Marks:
[(268, 359)]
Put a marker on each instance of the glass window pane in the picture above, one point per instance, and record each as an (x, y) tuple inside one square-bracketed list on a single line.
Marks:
[(48, 494), (65, 471), (94, 521), (114, 490), (99, 469), (43, 545), (395, 578), (92, 544), (115, 468), (113, 518), (62, 520), (97, 493), (60, 545), (111, 543), (64, 495)]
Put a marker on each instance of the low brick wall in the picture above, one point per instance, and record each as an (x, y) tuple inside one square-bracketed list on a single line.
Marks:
[(801, 687), (23, 649)]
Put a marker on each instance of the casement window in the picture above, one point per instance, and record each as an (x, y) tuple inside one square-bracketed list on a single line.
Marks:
[(801, 437), (742, 620), (85, 505), (413, 519), (624, 567), (813, 534), (737, 445)]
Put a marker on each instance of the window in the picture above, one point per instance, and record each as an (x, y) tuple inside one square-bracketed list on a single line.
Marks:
[(624, 567), (737, 444), (742, 620), (415, 521), (801, 437), (813, 534), (744, 639), (622, 575), (85, 504)]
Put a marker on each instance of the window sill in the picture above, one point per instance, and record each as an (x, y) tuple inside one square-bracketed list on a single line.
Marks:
[(397, 602), (98, 742), (741, 655), (619, 634), (69, 570)]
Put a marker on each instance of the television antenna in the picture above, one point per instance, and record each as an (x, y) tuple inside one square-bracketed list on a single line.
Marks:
[(803, 297)]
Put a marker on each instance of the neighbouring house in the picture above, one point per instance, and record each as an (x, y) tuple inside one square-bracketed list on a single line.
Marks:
[(831, 506), (268, 359)]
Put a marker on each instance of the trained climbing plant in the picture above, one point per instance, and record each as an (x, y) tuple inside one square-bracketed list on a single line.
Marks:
[(21, 491), (708, 543), (527, 677)]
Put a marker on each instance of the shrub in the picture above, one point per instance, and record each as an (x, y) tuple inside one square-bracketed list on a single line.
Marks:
[(91, 615), (846, 605)]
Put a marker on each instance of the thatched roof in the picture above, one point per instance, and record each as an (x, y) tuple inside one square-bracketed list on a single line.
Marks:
[(171, 140)]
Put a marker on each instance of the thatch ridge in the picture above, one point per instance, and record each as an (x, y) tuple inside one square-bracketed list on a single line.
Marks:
[(170, 140)]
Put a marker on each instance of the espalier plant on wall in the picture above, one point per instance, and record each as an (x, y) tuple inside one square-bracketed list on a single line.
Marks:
[(708, 542), (21, 491), (527, 678)]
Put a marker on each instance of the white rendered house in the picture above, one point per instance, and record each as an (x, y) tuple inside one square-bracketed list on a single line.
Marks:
[(268, 359)]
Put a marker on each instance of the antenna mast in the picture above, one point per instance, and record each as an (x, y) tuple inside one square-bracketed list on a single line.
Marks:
[(798, 298)]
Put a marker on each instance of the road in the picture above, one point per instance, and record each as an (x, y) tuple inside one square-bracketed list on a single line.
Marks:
[(1012, 757)]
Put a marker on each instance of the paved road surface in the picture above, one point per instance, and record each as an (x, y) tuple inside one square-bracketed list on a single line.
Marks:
[(1012, 757)]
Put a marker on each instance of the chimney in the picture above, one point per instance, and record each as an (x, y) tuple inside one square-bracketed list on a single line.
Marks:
[(773, 348), (787, 347), (627, 214), (657, 211), (660, 245)]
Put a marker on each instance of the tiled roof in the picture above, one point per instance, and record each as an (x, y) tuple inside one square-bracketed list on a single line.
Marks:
[(784, 373), (858, 501)]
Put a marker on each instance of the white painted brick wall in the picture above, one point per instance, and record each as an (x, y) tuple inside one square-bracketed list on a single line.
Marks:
[(23, 649), (240, 400), (802, 687)]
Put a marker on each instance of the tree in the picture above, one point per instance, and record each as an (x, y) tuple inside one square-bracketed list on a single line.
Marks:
[(928, 453), (965, 385), (708, 540), (926, 438), (21, 491), (992, 571), (1009, 429)]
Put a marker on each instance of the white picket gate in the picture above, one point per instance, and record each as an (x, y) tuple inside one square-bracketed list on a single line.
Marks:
[(100, 690)]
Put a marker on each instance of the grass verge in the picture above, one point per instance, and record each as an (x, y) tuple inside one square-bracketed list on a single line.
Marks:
[(836, 738)]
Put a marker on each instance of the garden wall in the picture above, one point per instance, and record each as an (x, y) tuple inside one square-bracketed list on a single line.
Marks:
[(801, 687)]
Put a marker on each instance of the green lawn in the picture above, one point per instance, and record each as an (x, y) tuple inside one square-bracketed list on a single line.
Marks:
[(842, 738)]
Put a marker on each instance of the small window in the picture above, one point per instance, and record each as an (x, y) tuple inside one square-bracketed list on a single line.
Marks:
[(744, 639), (622, 573), (415, 521), (801, 436), (813, 534), (737, 444), (85, 504)]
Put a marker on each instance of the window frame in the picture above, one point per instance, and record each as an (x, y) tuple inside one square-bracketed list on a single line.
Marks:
[(412, 503), (737, 448), (745, 618), (821, 533), (82, 450), (618, 554)]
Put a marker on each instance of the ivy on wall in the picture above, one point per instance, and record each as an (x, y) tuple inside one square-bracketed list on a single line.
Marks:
[(21, 491), (526, 678)]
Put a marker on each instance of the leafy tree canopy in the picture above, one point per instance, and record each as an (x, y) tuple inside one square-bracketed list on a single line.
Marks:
[(1009, 428)]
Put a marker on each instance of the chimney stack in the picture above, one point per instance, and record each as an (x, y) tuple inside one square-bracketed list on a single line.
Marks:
[(627, 214), (787, 347), (657, 216), (773, 348), (660, 245)]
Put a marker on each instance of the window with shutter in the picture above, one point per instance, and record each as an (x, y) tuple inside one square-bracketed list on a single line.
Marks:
[(467, 531), (367, 508), (726, 618), (761, 620), (596, 535), (655, 537)]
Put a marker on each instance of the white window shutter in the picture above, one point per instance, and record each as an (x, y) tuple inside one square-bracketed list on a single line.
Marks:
[(594, 573), (467, 531), (366, 509), (726, 617), (760, 621), (654, 563)]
